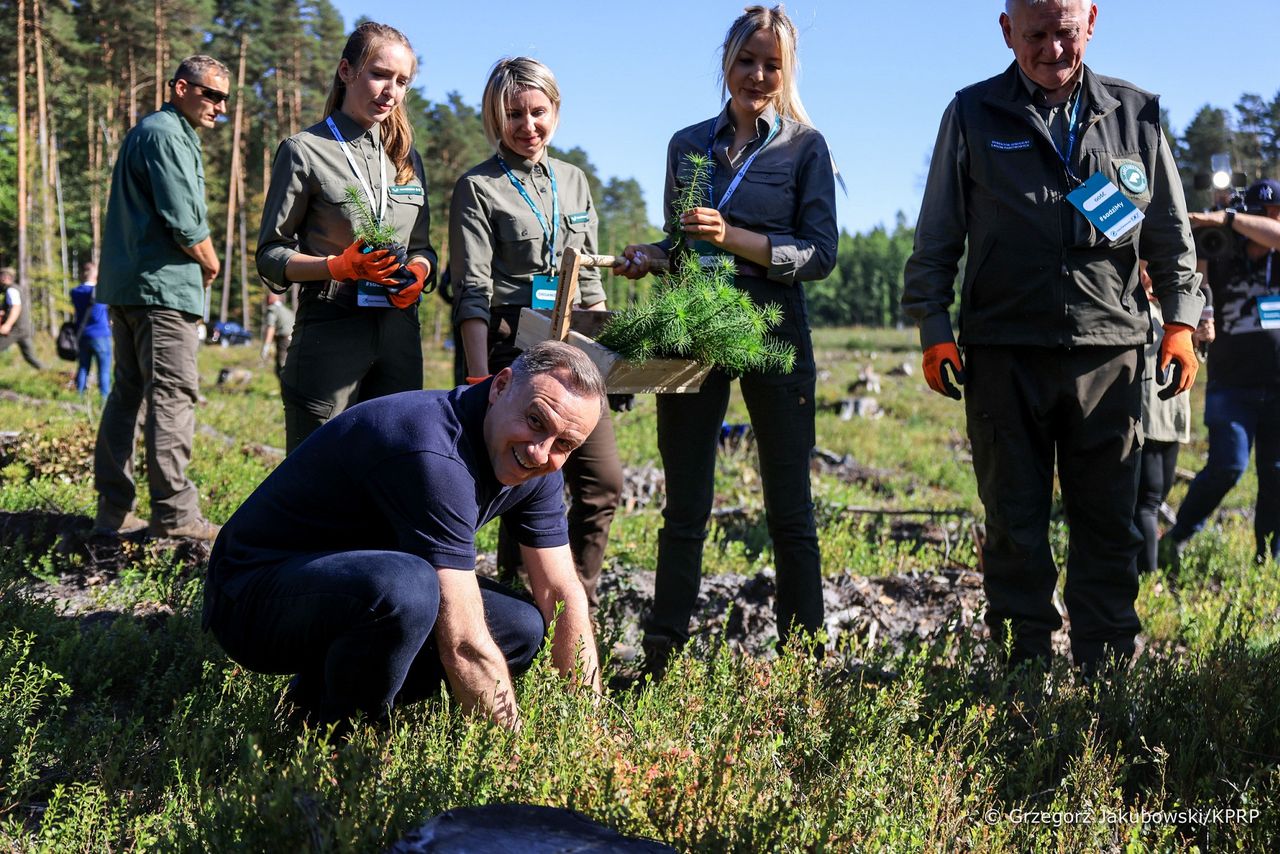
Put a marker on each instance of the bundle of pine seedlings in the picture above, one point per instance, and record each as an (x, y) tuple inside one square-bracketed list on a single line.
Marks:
[(695, 311)]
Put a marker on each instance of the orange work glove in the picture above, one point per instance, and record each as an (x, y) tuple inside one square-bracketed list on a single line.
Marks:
[(408, 295), (354, 263), (936, 359), (1177, 349)]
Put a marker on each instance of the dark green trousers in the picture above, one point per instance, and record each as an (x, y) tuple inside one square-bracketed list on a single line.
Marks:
[(1028, 407), (343, 355)]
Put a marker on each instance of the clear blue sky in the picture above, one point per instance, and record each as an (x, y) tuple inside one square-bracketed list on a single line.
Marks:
[(875, 77)]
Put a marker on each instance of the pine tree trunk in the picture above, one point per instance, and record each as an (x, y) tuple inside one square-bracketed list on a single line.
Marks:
[(232, 184), (23, 266), (95, 176), (132, 93), (62, 215), (46, 171), (160, 52), (244, 251), (295, 115)]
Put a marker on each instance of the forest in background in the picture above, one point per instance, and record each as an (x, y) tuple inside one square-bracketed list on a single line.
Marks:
[(85, 71)]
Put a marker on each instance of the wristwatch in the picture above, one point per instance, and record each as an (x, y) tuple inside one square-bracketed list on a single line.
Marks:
[(1229, 220)]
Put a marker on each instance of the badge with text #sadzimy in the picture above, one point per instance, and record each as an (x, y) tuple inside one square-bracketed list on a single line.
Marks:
[(1269, 312), (544, 291), (1105, 206), (371, 295)]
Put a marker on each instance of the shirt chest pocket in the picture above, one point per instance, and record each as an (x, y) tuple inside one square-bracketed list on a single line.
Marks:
[(765, 196), (519, 243), (574, 228)]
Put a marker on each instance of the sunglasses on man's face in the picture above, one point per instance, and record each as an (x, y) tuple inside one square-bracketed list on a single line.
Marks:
[(212, 95)]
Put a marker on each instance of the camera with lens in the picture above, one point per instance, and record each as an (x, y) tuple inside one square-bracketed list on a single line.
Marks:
[(1219, 241)]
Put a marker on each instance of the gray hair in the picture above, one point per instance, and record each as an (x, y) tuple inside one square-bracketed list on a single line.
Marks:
[(580, 375), (199, 68), (1082, 5)]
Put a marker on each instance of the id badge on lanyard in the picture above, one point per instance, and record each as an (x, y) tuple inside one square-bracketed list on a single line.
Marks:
[(368, 294), (708, 254), (1269, 305), (544, 285)]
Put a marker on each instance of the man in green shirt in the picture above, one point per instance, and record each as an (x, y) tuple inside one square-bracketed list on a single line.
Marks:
[(158, 260)]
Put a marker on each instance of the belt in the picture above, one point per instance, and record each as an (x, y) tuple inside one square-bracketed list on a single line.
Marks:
[(339, 293)]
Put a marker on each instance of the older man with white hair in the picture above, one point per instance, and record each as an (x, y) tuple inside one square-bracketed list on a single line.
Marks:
[(1058, 180)]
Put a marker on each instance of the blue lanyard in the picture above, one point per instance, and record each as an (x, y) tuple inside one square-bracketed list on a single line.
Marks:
[(553, 232), (377, 206), (1071, 136), (742, 170)]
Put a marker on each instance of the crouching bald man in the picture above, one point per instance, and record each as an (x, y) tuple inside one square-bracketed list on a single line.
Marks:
[(352, 565)]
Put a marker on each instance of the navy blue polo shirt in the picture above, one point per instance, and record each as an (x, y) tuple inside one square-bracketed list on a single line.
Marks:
[(408, 472)]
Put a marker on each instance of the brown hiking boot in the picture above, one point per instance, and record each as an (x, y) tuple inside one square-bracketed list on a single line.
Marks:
[(196, 528), (112, 524)]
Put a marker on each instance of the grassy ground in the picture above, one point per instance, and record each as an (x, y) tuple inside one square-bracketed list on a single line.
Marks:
[(139, 733)]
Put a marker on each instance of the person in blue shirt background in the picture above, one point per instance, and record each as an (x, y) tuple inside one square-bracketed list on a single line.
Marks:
[(95, 332)]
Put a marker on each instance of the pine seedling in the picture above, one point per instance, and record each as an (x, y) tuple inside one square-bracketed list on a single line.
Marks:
[(695, 192), (375, 235)]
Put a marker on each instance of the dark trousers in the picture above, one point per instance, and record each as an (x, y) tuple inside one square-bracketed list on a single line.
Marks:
[(1155, 479), (155, 371), (592, 474), (356, 627), (781, 409), (343, 355), (1027, 406), (1238, 418)]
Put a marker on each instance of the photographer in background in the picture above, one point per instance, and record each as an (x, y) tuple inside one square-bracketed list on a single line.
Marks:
[(1242, 400)]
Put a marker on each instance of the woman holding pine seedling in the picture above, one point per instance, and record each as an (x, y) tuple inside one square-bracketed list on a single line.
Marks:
[(346, 218), (511, 218), (754, 185)]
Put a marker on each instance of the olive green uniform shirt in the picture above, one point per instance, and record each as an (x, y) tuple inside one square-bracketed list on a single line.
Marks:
[(280, 318), (156, 208), (306, 207), (496, 244)]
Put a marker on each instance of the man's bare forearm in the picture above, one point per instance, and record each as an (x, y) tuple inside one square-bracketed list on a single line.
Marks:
[(480, 679), (574, 648), (206, 257)]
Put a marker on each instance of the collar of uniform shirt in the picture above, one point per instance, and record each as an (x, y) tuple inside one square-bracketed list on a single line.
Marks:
[(352, 132), (1038, 97), (520, 166), (764, 124)]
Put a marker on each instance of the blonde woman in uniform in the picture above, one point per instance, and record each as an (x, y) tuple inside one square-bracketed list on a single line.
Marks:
[(356, 335), (772, 208), (511, 218)]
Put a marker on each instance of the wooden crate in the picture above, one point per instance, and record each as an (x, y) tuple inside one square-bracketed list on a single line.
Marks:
[(665, 376), (579, 328)]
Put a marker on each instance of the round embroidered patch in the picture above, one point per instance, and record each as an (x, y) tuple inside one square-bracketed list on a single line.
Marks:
[(1133, 178)]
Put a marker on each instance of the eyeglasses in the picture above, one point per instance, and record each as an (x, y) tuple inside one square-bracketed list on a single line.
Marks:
[(212, 95)]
